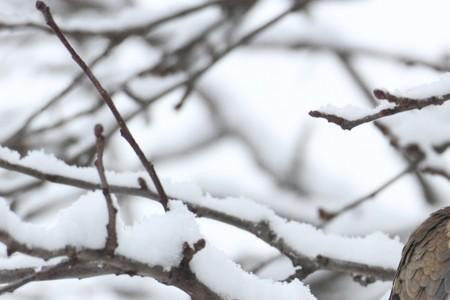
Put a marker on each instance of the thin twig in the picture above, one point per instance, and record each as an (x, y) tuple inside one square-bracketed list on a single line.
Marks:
[(125, 132), (111, 238), (327, 216)]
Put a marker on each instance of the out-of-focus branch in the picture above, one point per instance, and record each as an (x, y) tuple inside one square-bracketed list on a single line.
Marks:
[(352, 51), (327, 215), (19, 134), (33, 276), (283, 181), (298, 5), (191, 148), (114, 34), (20, 189)]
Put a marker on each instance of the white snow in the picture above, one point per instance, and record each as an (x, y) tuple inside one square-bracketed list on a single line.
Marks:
[(157, 240), (234, 283), (386, 296), (83, 224), (374, 249), (49, 164), (438, 87)]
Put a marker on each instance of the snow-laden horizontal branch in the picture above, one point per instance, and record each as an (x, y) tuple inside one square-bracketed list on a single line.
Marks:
[(152, 247), (302, 243)]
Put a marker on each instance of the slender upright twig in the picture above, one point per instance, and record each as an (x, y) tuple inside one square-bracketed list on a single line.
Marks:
[(111, 238)]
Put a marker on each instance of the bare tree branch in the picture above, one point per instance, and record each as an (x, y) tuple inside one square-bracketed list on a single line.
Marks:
[(125, 132)]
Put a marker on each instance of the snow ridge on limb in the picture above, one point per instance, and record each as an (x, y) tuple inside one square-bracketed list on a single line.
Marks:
[(302, 243), (155, 241)]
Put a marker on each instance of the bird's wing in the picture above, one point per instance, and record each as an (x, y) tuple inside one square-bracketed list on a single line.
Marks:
[(424, 270)]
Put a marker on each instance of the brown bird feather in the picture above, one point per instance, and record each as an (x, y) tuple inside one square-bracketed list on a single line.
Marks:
[(424, 270)]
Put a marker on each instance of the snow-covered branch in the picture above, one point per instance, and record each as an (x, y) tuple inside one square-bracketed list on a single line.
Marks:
[(155, 247), (351, 117), (301, 243)]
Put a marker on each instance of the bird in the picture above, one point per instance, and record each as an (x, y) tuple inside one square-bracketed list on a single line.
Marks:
[(424, 269)]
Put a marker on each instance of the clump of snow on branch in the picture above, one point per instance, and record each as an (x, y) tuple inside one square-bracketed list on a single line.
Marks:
[(374, 249), (83, 224), (438, 87), (49, 164), (238, 284), (157, 240)]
